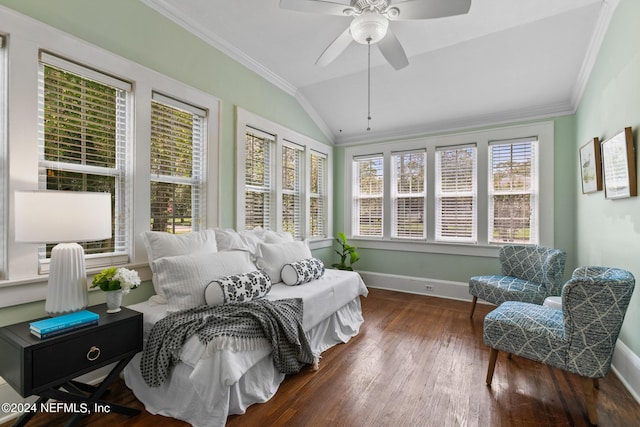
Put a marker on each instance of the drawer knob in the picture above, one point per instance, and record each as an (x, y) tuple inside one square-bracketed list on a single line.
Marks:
[(93, 353)]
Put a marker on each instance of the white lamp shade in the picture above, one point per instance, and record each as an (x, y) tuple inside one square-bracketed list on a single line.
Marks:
[(370, 27), (61, 216)]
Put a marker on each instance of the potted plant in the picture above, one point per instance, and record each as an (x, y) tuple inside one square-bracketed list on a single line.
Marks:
[(116, 282), (348, 254)]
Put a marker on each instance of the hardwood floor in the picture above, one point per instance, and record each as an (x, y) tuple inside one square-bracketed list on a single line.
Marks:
[(418, 361)]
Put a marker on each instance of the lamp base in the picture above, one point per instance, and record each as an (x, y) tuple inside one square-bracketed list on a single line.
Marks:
[(67, 288)]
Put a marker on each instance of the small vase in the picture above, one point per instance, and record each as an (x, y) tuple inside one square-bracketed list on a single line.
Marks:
[(114, 300)]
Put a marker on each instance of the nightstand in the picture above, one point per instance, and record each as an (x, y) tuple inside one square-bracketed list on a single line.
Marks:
[(47, 367)]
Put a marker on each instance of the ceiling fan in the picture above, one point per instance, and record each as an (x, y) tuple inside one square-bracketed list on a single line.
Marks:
[(370, 23)]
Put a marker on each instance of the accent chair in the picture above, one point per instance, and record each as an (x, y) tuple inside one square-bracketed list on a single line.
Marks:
[(528, 274), (579, 338)]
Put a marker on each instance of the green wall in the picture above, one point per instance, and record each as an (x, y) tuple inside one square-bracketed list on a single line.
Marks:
[(608, 231), (458, 267)]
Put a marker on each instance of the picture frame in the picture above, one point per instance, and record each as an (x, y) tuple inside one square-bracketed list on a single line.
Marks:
[(619, 168), (591, 166)]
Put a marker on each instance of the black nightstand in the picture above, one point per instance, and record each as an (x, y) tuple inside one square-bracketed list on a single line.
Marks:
[(46, 367)]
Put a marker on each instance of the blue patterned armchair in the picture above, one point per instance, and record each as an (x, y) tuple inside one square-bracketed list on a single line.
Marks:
[(528, 274), (579, 338)]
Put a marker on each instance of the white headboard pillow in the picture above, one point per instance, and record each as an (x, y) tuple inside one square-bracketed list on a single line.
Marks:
[(184, 278), (160, 245), (273, 256)]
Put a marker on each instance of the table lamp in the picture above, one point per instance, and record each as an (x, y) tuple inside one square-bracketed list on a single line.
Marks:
[(63, 217)]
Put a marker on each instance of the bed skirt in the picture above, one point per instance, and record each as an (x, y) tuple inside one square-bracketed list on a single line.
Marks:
[(228, 383)]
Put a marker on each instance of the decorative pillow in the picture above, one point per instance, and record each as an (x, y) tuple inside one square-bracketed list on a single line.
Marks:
[(238, 288), (300, 272), (184, 278), (277, 236), (273, 256), (160, 245), (228, 239)]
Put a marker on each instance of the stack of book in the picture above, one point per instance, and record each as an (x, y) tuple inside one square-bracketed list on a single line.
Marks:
[(53, 326)]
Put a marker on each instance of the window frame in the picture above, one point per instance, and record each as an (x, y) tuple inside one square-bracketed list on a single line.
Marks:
[(543, 130), (283, 135), (120, 170)]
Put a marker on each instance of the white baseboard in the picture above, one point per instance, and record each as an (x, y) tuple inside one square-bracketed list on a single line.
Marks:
[(9, 395), (417, 285), (625, 364)]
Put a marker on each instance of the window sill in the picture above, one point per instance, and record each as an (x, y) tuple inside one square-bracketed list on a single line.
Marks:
[(325, 242), (480, 250)]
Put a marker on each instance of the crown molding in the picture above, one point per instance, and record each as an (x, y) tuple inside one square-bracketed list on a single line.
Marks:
[(452, 126), (313, 114), (600, 30)]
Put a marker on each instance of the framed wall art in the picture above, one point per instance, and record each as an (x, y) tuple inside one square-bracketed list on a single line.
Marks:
[(619, 166), (591, 167)]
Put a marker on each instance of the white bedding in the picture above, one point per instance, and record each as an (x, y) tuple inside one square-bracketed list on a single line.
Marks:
[(209, 385)]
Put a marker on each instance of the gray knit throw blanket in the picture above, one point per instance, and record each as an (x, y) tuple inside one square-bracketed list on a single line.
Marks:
[(246, 324)]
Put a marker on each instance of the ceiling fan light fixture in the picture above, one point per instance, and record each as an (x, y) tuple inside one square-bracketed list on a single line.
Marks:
[(369, 27)]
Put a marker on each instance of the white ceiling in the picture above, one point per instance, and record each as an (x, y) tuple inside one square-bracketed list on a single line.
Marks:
[(506, 60)]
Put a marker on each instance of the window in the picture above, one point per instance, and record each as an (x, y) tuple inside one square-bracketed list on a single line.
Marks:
[(462, 194), (513, 191), (282, 180), (178, 135), (318, 195), (258, 182), (83, 139), (408, 194), (369, 196), (456, 193), (292, 189)]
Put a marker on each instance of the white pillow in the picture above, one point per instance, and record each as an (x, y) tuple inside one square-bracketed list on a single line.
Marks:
[(184, 278), (228, 239), (277, 236), (273, 256), (160, 244)]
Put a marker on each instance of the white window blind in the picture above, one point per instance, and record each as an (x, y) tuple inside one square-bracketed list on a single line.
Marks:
[(456, 194), (513, 191), (292, 189), (178, 136), (408, 194), (259, 188), (83, 140), (369, 195), (318, 195)]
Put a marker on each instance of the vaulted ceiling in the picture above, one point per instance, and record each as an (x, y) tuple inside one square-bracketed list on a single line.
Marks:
[(504, 61)]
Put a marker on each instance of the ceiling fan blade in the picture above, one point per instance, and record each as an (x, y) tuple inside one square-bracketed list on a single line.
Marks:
[(392, 50), (315, 6), (335, 48), (427, 9)]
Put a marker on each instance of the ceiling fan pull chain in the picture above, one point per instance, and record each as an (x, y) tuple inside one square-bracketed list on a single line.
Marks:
[(369, 85)]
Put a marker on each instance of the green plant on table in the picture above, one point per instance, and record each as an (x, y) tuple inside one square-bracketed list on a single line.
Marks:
[(348, 254)]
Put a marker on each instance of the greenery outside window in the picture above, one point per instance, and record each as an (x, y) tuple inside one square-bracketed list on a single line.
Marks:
[(318, 195), (83, 140), (368, 200), (408, 194), (178, 135)]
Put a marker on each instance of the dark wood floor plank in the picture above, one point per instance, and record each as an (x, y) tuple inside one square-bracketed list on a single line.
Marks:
[(418, 361)]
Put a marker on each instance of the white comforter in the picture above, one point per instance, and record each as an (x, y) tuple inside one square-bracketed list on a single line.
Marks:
[(226, 382)]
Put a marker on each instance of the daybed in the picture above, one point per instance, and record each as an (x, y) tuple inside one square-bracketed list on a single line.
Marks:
[(209, 382)]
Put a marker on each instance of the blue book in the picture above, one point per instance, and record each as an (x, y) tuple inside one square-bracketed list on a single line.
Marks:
[(65, 321), (62, 331)]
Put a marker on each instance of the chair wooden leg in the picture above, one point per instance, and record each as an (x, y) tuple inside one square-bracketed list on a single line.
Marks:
[(492, 364), (591, 388), (473, 305)]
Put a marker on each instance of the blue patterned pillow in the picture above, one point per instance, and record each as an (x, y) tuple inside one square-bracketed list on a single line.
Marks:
[(303, 271), (238, 288)]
